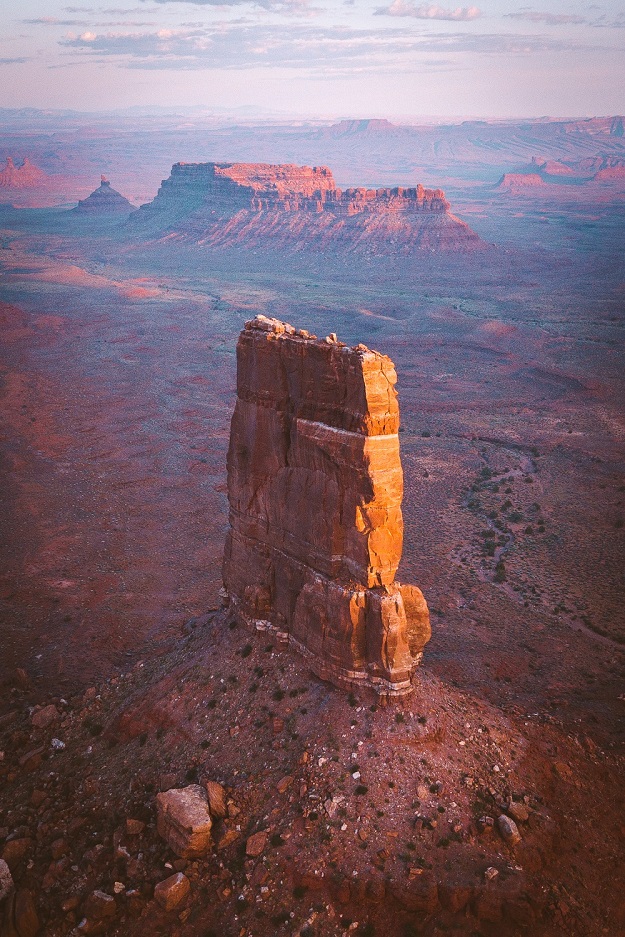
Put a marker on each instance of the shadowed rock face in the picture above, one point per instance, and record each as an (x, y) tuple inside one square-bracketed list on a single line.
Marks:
[(315, 487)]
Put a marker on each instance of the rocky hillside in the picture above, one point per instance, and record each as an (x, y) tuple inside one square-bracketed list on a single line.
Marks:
[(298, 208), (311, 814)]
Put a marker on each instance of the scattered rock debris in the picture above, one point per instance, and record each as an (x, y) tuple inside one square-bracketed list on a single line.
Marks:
[(320, 817)]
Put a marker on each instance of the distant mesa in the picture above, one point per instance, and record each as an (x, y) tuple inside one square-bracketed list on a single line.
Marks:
[(551, 167), (104, 202), (606, 168), (299, 208), (374, 125), (24, 176), (596, 164), (548, 172), (617, 127), (610, 174), (614, 126), (516, 180)]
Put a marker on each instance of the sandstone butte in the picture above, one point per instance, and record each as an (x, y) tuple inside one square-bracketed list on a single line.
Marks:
[(315, 487), (20, 177), (298, 207), (104, 201)]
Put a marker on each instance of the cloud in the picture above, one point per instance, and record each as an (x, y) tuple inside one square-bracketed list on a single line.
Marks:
[(567, 19), (427, 11), (53, 21), (274, 6), (105, 11), (16, 61), (313, 50), (551, 19)]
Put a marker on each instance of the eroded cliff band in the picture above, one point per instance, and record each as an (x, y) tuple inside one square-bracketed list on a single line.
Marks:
[(315, 487), (261, 205)]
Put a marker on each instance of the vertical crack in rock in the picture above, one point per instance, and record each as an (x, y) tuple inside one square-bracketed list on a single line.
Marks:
[(315, 487)]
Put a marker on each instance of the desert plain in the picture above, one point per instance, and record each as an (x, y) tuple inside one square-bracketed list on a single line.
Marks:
[(117, 384)]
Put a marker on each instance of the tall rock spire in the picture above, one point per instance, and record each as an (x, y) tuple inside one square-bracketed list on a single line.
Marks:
[(315, 487)]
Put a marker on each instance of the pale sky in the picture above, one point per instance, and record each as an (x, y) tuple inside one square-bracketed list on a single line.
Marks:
[(318, 58)]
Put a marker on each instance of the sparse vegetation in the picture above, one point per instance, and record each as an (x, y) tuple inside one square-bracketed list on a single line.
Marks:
[(500, 572)]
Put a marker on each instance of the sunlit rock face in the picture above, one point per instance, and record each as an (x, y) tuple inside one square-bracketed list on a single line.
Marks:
[(20, 177), (261, 186), (315, 487), (299, 208)]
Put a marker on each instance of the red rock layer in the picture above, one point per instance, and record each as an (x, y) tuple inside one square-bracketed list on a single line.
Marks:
[(257, 186), (298, 207), (20, 177), (315, 487)]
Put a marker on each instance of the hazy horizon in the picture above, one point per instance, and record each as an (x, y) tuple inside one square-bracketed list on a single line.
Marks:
[(317, 59), (252, 113)]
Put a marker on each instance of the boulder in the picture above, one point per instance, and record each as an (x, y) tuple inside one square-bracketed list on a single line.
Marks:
[(255, 845), (16, 850), (172, 891), (45, 717), (508, 830), (6, 881), (518, 812), (99, 906), (184, 821), (25, 916), (216, 794)]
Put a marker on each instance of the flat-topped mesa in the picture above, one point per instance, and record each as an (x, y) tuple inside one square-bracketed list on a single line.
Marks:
[(260, 206), (315, 487), (230, 187)]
